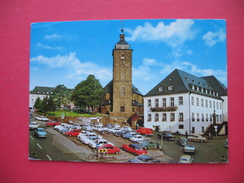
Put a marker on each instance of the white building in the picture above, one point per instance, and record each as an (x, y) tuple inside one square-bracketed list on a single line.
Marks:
[(41, 92), (186, 103)]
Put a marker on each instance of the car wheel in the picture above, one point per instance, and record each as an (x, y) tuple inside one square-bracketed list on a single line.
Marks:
[(145, 148), (70, 135), (134, 154), (117, 152)]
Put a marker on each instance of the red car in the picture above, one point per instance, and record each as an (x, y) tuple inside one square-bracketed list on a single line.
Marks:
[(134, 149), (52, 123), (109, 148), (73, 132)]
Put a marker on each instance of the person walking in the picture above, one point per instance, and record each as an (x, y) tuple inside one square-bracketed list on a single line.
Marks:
[(186, 134)]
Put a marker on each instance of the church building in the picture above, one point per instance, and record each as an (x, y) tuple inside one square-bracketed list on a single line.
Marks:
[(122, 98)]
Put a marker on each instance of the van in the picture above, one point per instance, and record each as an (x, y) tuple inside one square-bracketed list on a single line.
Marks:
[(144, 131)]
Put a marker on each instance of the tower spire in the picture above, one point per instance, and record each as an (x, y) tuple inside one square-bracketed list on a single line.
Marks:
[(122, 26)]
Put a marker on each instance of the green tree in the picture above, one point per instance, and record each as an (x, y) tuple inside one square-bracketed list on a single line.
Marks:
[(61, 95), (45, 105), (88, 93), (38, 104)]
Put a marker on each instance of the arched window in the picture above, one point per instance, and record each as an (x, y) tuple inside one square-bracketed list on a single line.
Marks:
[(122, 91)]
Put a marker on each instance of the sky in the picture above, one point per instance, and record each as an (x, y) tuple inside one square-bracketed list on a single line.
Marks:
[(67, 52)]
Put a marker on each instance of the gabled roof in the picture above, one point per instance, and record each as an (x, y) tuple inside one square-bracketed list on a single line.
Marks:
[(42, 90), (109, 88), (217, 85), (181, 82)]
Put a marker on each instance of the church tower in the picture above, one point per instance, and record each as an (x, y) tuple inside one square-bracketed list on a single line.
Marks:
[(122, 78)]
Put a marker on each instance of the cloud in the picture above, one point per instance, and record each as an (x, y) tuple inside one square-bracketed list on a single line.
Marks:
[(74, 68), (53, 37), (174, 34), (212, 38), (39, 45)]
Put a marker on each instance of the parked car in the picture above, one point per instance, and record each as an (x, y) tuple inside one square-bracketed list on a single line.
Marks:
[(181, 141), (33, 125), (89, 139), (42, 118), (166, 135), (147, 159), (137, 138), (129, 135), (98, 143), (53, 123), (73, 132), (144, 131), (110, 149), (188, 148), (150, 145), (186, 159), (40, 132), (197, 138), (120, 133), (82, 136), (134, 149)]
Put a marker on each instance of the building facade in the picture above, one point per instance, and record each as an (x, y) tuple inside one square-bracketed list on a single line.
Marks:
[(41, 92), (185, 103), (122, 99)]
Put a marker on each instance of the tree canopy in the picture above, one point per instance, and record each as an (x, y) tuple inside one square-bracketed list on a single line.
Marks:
[(88, 93), (61, 95)]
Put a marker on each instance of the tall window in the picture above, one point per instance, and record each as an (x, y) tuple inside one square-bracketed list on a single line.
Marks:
[(180, 100), (181, 117), (164, 102), (156, 117), (172, 102), (164, 118), (156, 102), (210, 104), (202, 117), (149, 117), (206, 103), (198, 117), (192, 100), (192, 117), (172, 116), (197, 101), (122, 108), (206, 117), (122, 91), (149, 104), (202, 104)]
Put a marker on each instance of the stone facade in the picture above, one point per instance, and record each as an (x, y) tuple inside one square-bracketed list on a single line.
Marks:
[(122, 99)]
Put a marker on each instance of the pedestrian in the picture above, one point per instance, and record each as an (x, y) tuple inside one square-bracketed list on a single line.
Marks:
[(209, 135), (186, 134), (223, 159)]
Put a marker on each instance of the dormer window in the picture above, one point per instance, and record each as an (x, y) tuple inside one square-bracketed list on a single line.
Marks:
[(160, 89), (122, 56), (170, 87)]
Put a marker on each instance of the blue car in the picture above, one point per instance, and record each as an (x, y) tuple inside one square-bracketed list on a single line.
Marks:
[(40, 132), (129, 135)]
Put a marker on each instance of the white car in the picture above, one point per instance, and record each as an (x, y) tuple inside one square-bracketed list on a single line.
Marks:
[(33, 125), (188, 148), (42, 118), (89, 139), (98, 143), (137, 138), (186, 159), (81, 137), (126, 128)]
